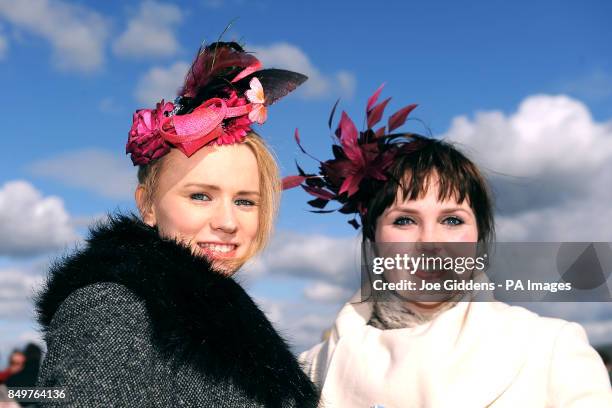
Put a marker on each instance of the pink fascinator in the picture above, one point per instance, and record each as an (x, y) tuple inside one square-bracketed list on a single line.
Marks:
[(225, 92), (361, 159)]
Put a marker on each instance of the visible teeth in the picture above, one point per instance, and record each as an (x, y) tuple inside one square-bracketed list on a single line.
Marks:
[(218, 247)]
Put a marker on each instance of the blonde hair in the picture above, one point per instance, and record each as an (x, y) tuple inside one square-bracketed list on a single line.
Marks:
[(269, 190)]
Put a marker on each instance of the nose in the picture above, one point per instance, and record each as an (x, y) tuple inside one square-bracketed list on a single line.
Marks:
[(224, 219), (429, 240), (427, 233)]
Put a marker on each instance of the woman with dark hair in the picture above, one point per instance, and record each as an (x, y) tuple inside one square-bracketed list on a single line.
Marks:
[(147, 312), (411, 348), (29, 373), (16, 363)]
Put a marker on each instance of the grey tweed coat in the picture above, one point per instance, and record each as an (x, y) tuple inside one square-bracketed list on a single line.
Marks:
[(133, 319)]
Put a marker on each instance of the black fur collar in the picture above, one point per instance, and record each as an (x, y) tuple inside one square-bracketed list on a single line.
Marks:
[(199, 315)]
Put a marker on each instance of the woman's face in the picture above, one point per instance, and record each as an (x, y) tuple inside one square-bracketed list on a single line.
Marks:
[(422, 224), (427, 220), (209, 201)]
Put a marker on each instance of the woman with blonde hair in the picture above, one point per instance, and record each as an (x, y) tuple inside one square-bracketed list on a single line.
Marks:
[(147, 312)]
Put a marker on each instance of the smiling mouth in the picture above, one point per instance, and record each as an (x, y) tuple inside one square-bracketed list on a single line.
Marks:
[(430, 275), (217, 250)]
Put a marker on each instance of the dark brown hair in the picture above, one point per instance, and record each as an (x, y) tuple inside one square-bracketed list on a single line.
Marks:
[(412, 171)]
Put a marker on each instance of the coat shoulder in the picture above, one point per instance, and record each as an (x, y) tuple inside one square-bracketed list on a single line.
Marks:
[(98, 340), (104, 302), (526, 321)]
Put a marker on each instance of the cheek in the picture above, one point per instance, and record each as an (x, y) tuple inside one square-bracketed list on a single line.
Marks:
[(178, 219), (249, 224), (468, 234), (390, 233)]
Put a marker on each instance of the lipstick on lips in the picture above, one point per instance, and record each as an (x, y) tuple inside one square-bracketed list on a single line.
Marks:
[(218, 250)]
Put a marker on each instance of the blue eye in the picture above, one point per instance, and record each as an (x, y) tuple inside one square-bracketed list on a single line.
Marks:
[(200, 197), (453, 221), (244, 202), (403, 221)]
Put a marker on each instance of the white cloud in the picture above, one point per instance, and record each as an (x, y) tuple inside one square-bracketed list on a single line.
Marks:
[(17, 289), (77, 34), (587, 219), (105, 173), (319, 85), (31, 223), (309, 256), (550, 165), (325, 292), (161, 83), (546, 134), (150, 33)]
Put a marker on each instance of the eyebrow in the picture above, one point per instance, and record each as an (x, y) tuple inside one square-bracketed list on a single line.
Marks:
[(446, 210), (217, 188)]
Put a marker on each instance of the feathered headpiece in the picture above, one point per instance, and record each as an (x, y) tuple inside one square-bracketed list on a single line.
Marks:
[(361, 160), (225, 91)]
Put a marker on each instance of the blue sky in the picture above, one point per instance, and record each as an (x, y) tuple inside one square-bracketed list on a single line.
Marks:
[(72, 76), (450, 58)]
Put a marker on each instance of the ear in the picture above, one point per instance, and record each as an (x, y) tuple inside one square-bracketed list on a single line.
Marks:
[(147, 212)]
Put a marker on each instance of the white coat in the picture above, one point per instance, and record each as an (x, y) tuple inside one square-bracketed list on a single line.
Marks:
[(476, 354)]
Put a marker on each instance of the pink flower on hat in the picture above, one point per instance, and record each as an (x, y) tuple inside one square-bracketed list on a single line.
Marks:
[(144, 141), (255, 95), (236, 128)]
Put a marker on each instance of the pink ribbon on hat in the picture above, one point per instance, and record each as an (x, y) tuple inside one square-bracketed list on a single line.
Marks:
[(194, 130)]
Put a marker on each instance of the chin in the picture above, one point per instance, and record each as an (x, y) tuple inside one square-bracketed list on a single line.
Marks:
[(226, 268)]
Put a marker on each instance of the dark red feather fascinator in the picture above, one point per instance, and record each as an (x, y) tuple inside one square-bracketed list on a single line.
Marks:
[(361, 160), (224, 93)]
